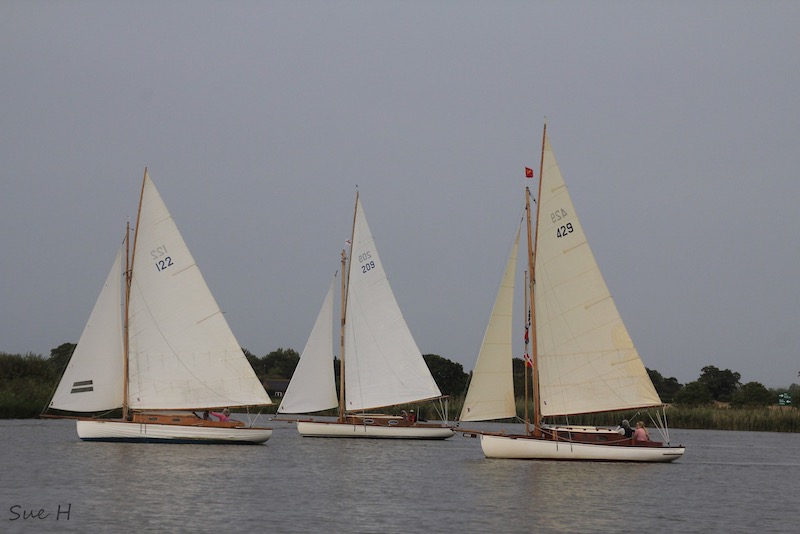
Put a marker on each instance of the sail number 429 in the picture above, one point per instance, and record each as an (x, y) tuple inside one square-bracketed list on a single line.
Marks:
[(564, 230)]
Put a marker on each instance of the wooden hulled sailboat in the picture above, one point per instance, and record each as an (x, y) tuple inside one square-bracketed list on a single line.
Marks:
[(381, 365), (168, 354), (583, 359)]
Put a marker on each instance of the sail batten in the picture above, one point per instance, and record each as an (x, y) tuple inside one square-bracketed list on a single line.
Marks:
[(384, 366), (587, 363), (174, 360)]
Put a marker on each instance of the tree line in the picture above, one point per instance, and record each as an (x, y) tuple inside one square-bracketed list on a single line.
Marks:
[(28, 381)]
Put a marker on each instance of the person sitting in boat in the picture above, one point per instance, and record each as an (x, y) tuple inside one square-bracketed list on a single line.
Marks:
[(224, 416), (625, 429), (412, 416), (405, 415), (641, 433)]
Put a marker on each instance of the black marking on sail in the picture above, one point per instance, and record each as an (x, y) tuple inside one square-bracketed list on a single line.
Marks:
[(82, 386)]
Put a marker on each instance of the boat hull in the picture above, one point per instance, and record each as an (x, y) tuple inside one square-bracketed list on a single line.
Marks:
[(531, 448), (335, 429), (129, 431)]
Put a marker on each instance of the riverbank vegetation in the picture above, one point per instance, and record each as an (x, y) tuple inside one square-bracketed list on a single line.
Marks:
[(716, 400)]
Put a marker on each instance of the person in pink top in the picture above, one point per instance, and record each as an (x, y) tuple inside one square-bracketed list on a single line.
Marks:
[(641, 434), (224, 416)]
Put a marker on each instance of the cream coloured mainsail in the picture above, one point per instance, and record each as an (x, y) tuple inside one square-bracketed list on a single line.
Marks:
[(92, 381), (586, 359), (313, 385), (182, 353), (491, 389), (383, 366)]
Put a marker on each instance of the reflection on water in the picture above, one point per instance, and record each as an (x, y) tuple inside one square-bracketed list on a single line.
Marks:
[(729, 481)]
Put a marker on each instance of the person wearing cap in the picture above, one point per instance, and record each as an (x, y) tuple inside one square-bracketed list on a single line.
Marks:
[(625, 429)]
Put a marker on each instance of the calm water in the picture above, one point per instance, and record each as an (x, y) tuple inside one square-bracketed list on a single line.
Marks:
[(726, 482)]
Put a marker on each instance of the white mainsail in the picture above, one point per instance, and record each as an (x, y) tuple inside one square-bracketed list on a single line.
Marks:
[(92, 381), (586, 359), (182, 353), (313, 386), (383, 365), (491, 390)]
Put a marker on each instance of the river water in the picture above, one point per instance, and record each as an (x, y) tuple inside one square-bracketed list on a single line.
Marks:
[(50, 481)]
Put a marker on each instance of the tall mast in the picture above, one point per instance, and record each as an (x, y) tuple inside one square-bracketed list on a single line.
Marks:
[(532, 268), (341, 341), (345, 290), (526, 356), (125, 323), (129, 275)]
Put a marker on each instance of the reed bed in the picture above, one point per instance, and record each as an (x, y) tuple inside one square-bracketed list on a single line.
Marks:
[(722, 417)]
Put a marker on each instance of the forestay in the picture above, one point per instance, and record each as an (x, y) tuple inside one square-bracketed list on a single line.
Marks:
[(313, 386), (491, 389), (92, 381)]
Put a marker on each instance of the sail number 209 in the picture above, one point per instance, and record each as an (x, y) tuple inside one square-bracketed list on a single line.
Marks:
[(367, 264)]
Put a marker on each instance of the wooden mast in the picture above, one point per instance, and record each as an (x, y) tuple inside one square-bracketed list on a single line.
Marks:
[(125, 323), (345, 290), (341, 341), (537, 431), (129, 278), (525, 319)]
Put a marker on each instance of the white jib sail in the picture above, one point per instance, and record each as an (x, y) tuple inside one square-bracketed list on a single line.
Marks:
[(587, 361), (182, 353), (92, 381), (313, 386), (383, 365), (491, 389)]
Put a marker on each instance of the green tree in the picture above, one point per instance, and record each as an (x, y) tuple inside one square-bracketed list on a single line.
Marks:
[(693, 394), (255, 362), (281, 363), (721, 384), (59, 357), (518, 370), (752, 394), (665, 387), (449, 375)]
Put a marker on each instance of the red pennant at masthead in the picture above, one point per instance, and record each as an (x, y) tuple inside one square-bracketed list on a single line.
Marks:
[(528, 172)]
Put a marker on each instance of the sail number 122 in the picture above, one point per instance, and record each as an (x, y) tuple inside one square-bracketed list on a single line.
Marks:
[(159, 254)]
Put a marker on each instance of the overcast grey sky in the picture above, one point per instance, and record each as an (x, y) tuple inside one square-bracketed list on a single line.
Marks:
[(676, 125)]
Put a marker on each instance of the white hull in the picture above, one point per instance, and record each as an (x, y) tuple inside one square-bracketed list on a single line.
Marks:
[(527, 448), (335, 429), (145, 432)]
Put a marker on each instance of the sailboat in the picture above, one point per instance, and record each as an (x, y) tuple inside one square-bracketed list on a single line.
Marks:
[(381, 365), (583, 360), (161, 352)]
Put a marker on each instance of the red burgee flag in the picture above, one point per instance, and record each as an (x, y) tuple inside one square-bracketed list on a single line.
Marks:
[(528, 172)]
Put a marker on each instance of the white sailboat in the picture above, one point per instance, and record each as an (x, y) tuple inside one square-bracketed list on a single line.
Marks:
[(168, 354), (381, 364), (583, 359)]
